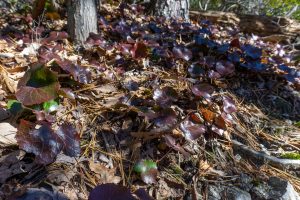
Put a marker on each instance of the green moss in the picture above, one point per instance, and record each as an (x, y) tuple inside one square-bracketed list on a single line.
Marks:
[(298, 123), (176, 169), (256, 182), (295, 156)]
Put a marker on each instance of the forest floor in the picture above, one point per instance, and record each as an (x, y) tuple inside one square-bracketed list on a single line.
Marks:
[(171, 110)]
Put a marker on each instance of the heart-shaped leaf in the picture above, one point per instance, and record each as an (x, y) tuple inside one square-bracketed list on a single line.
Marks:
[(37, 86), (42, 142), (46, 143), (166, 119)]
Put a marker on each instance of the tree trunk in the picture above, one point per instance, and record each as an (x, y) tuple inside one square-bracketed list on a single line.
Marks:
[(82, 19), (172, 8), (38, 8)]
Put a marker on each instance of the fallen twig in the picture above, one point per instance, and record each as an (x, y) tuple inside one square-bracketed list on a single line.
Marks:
[(262, 157)]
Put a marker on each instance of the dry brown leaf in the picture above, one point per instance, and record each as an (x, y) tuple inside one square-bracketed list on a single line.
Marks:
[(220, 122), (207, 115), (104, 174), (10, 84), (7, 134)]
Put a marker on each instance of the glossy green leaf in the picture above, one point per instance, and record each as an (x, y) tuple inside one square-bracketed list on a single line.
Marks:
[(50, 106), (14, 106), (144, 166)]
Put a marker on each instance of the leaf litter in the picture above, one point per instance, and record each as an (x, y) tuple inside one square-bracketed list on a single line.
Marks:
[(143, 106)]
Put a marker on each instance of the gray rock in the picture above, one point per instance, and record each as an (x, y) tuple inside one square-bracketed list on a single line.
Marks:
[(228, 193), (260, 192), (275, 189), (234, 193), (214, 192), (245, 182)]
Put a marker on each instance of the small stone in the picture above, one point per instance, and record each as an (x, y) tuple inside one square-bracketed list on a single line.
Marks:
[(275, 189), (230, 192), (282, 189), (234, 193), (245, 182)]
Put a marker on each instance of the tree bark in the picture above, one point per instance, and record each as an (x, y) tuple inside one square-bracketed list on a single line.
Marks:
[(38, 8), (82, 19), (172, 8)]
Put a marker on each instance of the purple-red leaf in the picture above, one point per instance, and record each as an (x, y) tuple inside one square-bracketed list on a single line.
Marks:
[(196, 70), (225, 68), (171, 142), (203, 90), (228, 105), (46, 143), (125, 48), (213, 74), (30, 95), (54, 36), (70, 138), (165, 96), (166, 120), (139, 50), (235, 43), (110, 191), (191, 130), (38, 85), (79, 73), (42, 142), (182, 53)]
